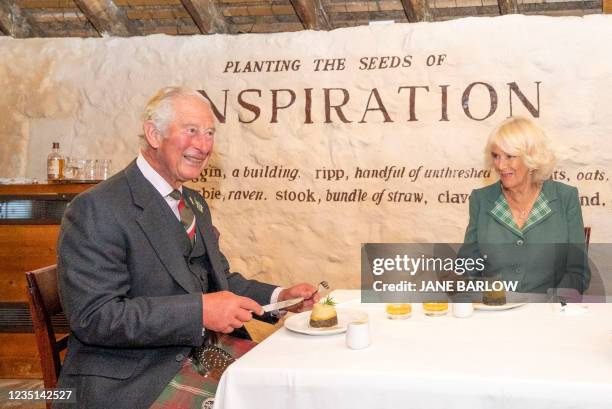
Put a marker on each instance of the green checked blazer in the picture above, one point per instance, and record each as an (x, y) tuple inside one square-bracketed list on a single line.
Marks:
[(547, 253)]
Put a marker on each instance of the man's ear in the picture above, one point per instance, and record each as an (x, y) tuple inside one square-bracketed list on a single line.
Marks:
[(152, 135)]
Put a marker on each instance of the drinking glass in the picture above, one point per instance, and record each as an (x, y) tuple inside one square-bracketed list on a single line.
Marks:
[(78, 169), (398, 311), (435, 309), (69, 168), (104, 169), (90, 169)]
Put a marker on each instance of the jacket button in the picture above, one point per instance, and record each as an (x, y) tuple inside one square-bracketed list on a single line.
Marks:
[(519, 242), (179, 357)]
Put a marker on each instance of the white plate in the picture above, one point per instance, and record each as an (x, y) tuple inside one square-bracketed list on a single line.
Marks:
[(300, 322), (507, 306)]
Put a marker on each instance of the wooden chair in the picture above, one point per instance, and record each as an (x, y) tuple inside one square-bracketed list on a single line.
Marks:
[(43, 297), (596, 291), (587, 237)]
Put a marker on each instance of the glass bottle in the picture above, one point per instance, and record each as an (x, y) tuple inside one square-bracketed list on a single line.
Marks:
[(55, 164)]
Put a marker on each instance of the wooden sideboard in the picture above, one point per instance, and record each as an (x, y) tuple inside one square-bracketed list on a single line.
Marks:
[(29, 225)]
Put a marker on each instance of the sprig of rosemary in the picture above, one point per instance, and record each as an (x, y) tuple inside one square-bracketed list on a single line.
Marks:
[(329, 301)]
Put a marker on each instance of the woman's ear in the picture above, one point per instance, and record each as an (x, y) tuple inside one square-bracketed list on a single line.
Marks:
[(152, 134)]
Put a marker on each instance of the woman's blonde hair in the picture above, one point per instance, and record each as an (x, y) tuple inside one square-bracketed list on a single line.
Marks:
[(520, 137)]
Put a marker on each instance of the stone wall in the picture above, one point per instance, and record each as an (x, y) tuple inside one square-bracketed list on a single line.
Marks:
[(320, 116)]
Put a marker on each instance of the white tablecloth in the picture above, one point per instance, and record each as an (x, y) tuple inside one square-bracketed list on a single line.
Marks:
[(531, 357)]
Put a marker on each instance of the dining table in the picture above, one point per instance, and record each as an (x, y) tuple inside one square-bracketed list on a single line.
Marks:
[(527, 356)]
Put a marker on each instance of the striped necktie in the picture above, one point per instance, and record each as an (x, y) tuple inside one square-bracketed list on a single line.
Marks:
[(187, 217), (207, 357)]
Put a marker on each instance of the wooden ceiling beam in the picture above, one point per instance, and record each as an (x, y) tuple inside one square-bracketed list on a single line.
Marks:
[(13, 22), (312, 14), (417, 10), (58, 16), (206, 16), (572, 8), (508, 7), (107, 18)]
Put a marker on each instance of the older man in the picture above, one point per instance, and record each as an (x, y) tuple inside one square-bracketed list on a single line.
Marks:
[(141, 276)]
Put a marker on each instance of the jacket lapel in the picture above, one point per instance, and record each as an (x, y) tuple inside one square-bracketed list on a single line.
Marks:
[(550, 194), (204, 222), (493, 211), (165, 234)]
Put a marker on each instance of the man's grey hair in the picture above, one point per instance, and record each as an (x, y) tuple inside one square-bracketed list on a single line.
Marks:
[(160, 108)]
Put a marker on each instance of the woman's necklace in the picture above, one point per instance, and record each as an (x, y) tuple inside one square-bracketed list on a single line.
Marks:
[(522, 211), (523, 214)]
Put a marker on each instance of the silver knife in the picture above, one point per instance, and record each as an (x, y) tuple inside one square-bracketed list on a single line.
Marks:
[(282, 304)]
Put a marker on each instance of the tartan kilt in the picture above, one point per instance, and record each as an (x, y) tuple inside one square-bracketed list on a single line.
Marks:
[(190, 390)]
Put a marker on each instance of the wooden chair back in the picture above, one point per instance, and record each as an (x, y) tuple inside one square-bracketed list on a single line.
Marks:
[(43, 298), (587, 237)]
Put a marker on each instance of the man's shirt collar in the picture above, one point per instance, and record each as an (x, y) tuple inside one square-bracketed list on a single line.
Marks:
[(159, 183)]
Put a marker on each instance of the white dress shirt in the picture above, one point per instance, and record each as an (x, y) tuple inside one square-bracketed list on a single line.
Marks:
[(159, 183)]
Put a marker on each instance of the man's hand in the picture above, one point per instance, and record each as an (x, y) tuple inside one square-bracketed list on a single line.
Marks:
[(304, 290), (224, 311)]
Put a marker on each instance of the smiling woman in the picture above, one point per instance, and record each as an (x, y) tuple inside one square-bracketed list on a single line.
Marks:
[(518, 152), (529, 226), (521, 144)]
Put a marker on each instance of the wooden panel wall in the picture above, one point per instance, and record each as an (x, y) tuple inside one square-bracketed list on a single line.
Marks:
[(25, 247)]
